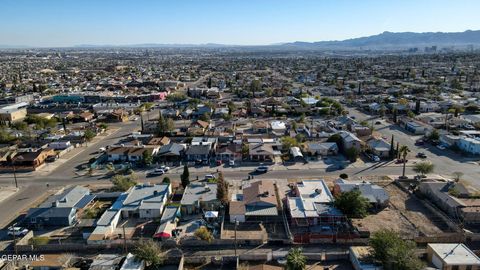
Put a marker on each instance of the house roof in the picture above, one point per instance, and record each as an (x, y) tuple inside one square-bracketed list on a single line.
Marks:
[(146, 196), (198, 150), (455, 254), (129, 150), (260, 191), (70, 197), (199, 192), (171, 149), (378, 144), (370, 191)]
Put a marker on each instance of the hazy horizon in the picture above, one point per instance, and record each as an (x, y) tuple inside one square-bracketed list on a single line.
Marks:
[(51, 23)]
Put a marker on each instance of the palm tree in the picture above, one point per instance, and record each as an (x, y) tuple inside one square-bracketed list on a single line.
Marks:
[(404, 150), (296, 260)]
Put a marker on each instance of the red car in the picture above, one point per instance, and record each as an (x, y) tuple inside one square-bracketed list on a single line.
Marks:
[(219, 162)]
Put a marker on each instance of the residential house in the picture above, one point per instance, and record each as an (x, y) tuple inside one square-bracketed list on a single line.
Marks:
[(278, 128), (322, 149), (375, 194), (159, 141), (199, 197), (198, 127), (452, 256), (32, 160), (454, 199), (257, 202), (60, 209), (379, 147), (118, 115), (199, 152), (349, 140), (130, 153), (232, 151), (145, 201), (171, 152), (266, 150), (311, 205)]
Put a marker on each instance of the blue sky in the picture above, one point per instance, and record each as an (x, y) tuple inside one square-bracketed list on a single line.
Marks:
[(246, 22)]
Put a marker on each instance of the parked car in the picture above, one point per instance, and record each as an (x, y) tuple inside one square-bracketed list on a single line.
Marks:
[(262, 169), (400, 160), (17, 231), (209, 176), (164, 168), (378, 123), (419, 142), (421, 155), (156, 172), (375, 158), (51, 158), (218, 162)]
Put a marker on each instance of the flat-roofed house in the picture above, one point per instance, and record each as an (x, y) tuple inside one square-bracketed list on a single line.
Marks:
[(454, 256)]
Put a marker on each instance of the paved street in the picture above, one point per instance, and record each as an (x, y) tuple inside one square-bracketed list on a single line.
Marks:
[(446, 161)]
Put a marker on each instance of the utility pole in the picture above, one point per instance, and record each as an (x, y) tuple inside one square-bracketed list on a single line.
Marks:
[(14, 238), (236, 224), (124, 240)]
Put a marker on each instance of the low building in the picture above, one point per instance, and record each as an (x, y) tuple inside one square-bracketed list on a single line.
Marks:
[(322, 149), (379, 147), (130, 153), (469, 145), (13, 112), (146, 201), (362, 258), (258, 202), (452, 256), (375, 194), (312, 205), (349, 140), (60, 209), (199, 197)]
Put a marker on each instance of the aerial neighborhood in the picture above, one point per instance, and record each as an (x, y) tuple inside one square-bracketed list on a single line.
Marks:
[(214, 159)]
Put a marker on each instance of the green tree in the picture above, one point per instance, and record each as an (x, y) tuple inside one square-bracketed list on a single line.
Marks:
[(404, 150), (392, 148), (296, 260), (352, 154), (394, 252), (166, 180), (150, 252), (255, 86), (434, 135), (222, 189), (122, 183), (336, 138), (203, 233), (288, 142), (423, 168), (5, 137), (185, 177), (89, 135), (352, 204), (147, 158)]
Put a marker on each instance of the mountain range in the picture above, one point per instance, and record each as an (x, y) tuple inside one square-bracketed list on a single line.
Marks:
[(385, 40), (397, 40)]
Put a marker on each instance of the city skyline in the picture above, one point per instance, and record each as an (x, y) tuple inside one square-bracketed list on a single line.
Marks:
[(35, 24)]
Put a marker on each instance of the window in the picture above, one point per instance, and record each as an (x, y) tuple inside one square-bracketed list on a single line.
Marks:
[(469, 267), (455, 267)]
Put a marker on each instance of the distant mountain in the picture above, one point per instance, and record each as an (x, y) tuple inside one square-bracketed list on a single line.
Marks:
[(153, 45), (397, 40)]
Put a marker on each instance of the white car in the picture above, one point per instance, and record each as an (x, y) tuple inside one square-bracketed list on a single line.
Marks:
[(209, 176), (102, 149), (165, 168), (156, 172), (17, 231)]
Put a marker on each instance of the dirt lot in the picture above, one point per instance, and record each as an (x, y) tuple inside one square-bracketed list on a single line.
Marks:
[(247, 231), (405, 214)]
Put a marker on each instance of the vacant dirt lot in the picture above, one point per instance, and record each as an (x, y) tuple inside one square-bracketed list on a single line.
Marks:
[(406, 214)]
